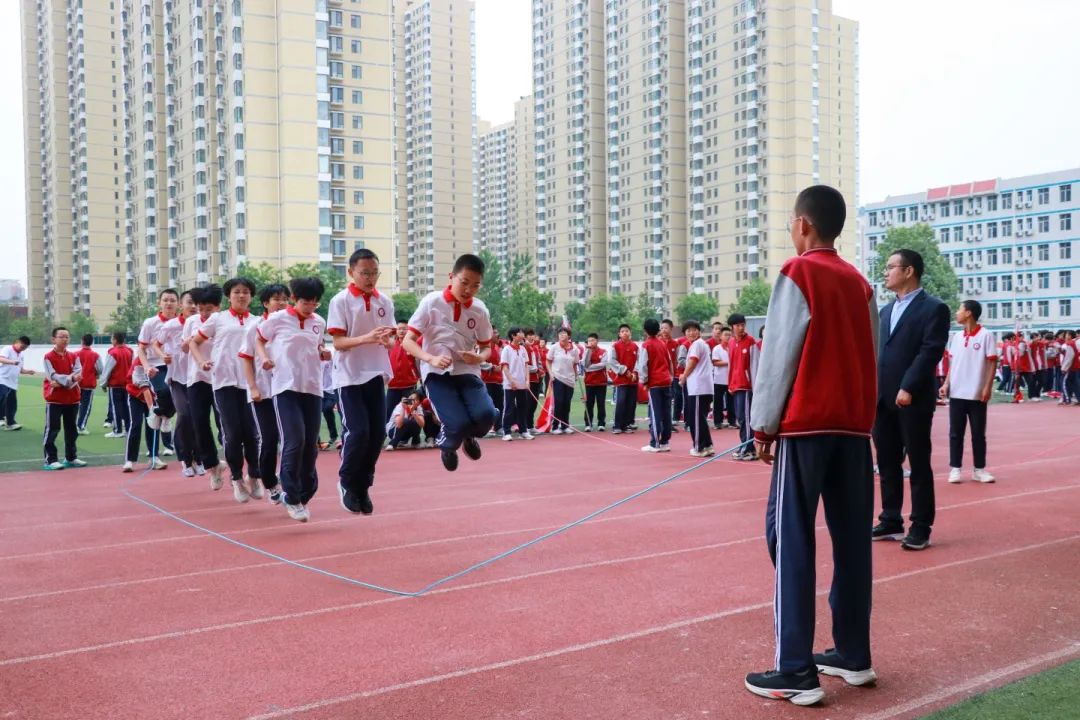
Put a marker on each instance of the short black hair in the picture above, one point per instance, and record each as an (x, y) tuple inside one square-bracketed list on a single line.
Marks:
[(651, 327), (736, 319), (209, 295), (667, 321), (87, 339), (594, 335), (824, 206), (469, 261), (57, 329), (24, 340), (362, 254), (529, 331), (513, 331), (307, 288), (190, 293), (270, 291), (233, 282), (168, 291), (913, 260), (563, 330), (720, 324), (120, 336), (624, 325), (691, 324)]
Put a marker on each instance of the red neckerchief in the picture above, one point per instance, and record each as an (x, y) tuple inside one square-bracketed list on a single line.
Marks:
[(449, 297), (357, 292), (968, 336), (238, 316)]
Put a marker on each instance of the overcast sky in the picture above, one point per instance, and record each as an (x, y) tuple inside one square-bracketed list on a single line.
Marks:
[(950, 91)]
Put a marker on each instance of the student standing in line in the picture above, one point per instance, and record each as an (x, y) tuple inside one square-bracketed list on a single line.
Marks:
[(91, 365), (677, 348), (595, 384), (61, 390), (118, 361), (622, 361), (1070, 368), (361, 322), (260, 395), (200, 391), (403, 366), (656, 370), (155, 366), (562, 367), (329, 406), (723, 404), (491, 374), (140, 401), (536, 386), (453, 324), (227, 329), (11, 367), (514, 361), (168, 343), (697, 382), (968, 387), (743, 354)]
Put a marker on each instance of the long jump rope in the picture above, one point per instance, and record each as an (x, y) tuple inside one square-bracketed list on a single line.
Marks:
[(124, 488)]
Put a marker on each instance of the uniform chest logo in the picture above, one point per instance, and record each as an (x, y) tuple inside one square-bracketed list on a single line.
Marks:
[(382, 312), (978, 346), (471, 323)]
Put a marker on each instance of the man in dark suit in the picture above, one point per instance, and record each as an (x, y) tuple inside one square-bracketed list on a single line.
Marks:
[(913, 332)]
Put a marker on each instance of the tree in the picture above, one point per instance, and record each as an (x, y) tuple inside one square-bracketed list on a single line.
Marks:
[(333, 281), (129, 316), (938, 278), (602, 314), (37, 326), (79, 324), (529, 307), (644, 308), (499, 280), (753, 298), (405, 304), (698, 307)]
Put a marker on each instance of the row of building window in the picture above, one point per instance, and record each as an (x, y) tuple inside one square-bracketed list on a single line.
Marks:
[(974, 205)]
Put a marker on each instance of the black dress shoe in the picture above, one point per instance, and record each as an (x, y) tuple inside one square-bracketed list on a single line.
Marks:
[(471, 448), (916, 541), (885, 531)]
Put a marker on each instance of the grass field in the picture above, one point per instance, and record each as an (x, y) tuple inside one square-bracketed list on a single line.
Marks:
[(1051, 695)]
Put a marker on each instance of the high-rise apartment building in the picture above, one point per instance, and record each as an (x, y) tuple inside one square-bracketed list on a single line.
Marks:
[(506, 189), (73, 156), (1011, 243), (436, 138)]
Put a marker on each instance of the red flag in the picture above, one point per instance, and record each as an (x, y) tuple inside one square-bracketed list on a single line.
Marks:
[(544, 422)]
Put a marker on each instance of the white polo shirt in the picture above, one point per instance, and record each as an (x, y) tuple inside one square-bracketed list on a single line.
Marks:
[(564, 362), (515, 364), (328, 375), (450, 328), (294, 344), (720, 374), (969, 354), (195, 373), (9, 374), (170, 335), (699, 382), (147, 333), (247, 350), (352, 314), (226, 329)]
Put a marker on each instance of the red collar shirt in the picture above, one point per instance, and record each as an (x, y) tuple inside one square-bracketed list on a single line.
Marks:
[(227, 329), (353, 313), (195, 373), (247, 352), (450, 328), (170, 334), (295, 346), (147, 334)]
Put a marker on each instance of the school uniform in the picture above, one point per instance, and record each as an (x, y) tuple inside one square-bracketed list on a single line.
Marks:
[(723, 403), (563, 362), (118, 361), (9, 384), (595, 387), (536, 386), (1070, 365), (1024, 367), (239, 434), (170, 335), (163, 403), (491, 374), (404, 378), (515, 372), (136, 383), (409, 432), (294, 345), (699, 394), (200, 396), (457, 393), (61, 403), (91, 365), (656, 372), (329, 399), (677, 349), (969, 354), (622, 359), (267, 436), (359, 376), (743, 356), (1004, 350)]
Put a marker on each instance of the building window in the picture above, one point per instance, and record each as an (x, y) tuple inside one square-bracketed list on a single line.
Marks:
[(1043, 308), (1006, 201), (1065, 251), (1044, 196), (1006, 310), (1065, 308), (1042, 281), (357, 72), (354, 21), (991, 283), (1065, 193), (945, 235), (358, 222), (958, 260), (358, 97), (358, 197), (1044, 223), (356, 46), (1044, 253), (992, 257), (991, 203), (958, 207), (1065, 279), (1006, 228), (358, 172), (992, 311), (944, 209), (1065, 221), (901, 215), (358, 122), (358, 147), (337, 221)]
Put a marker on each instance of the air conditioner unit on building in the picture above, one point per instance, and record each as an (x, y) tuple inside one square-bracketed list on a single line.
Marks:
[(932, 216), (968, 266), (978, 211), (1027, 204), (1027, 287), (978, 264), (970, 238), (1027, 260), (969, 211)]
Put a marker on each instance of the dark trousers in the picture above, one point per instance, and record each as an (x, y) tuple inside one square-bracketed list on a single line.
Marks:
[(1006, 379), (536, 389), (678, 401), (564, 397), (200, 397), (659, 415), (183, 427), (960, 413), (300, 419), (723, 406), (9, 406), (329, 402), (407, 434), (1070, 384), (163, 402), (267, 437), (900, 431), (515, 406), (86, 404), (463, 407), (697, 418), (363, 430), (596, 405), (138, 412), (109, 409), (625, 406), (495, 392), (55, 416), (1057, 378), (239, 436), (121, 418), (393, 397), (432, 426), (836, 468), (1027, 380), (744, 399)]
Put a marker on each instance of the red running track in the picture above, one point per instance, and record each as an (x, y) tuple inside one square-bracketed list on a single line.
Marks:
[(655, 610)]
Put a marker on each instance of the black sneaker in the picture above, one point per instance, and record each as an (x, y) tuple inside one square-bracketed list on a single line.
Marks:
[(471, 448), (449, 459), (830, 663), (801, 689), (885, 531), (356, 503), (916, 540)]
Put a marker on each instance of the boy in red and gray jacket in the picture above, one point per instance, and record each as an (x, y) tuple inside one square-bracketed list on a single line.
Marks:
[(622, 360), (743, 362), (816, 395), (657, 372)]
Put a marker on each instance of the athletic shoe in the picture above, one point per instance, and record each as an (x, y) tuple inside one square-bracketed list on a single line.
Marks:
[(907, 473), (167, 451), (166, 425), (664, 448), (106, 424), (16, 426), (3, 424), (298, 512), (801, 689), (356, 503), (915, 541), (556, 431), (884, 531), (75, 463), (217, 478), (737, 455), (633, 427), (600, 428), (324, 445), (649, 449), (239, 492), (158, 464), (153, 421), (527, 435), (698, 453), (114, 435), (471, 448), (830, 663), (57, 465), (980, 475), (186, 470), (588, 428), (275, 496), (255, 488), (675, 429), (568, 430), (337, 444), (491, 434), (449, 459), (199, 469), (614, 431), (749, 457), (128, 467), (507, 437), (954, 475), (389, 448), (84, 431)]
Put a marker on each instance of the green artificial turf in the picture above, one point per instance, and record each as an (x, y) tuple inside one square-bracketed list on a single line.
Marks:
[(1050, 695)]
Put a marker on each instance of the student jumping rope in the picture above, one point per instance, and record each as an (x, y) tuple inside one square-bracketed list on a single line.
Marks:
[(200, 391), (168, 343), (157, 371)]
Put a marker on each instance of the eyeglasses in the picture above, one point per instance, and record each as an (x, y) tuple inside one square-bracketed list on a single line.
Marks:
[(369, 274), (890, 268), (791, 221)]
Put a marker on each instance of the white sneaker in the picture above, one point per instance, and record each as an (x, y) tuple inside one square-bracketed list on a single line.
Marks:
[(588, 428), (616, 431), (105, 424), (556, 431), (166, 425), (298, 512), (217, 479), (710, 451), (664, 448), (114, 435), (153, 421), (199, 469), (167, 451), (84, 431), (158, 464), (954, 475), (507, 437), (186, 470), (980, 475), (699, 454), (255, 488), (128, 467), (649, 449), (568, 430), (527, 436), (239, 492)]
